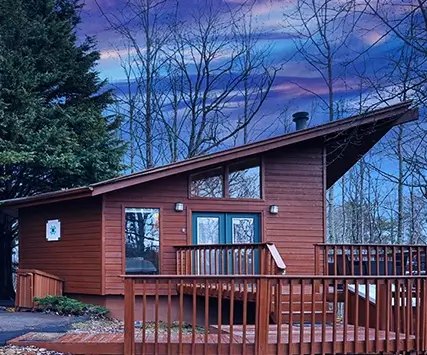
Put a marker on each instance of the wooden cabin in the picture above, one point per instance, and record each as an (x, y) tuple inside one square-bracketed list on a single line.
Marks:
[(214, 235)]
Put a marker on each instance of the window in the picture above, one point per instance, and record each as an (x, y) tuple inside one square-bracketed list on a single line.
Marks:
[(237, 180), (142, 240), (208, 184), (244, 180)]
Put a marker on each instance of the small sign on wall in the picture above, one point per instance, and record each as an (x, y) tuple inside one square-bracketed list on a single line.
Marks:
[(53, 230)]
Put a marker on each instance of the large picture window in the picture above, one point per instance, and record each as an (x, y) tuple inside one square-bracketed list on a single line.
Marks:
[(142, 240), (237, 180)]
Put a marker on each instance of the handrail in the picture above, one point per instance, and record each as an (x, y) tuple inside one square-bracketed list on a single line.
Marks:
[(277, 258), (39, 272), (237, 259), (204, 246), (272, 277), (371, 245)]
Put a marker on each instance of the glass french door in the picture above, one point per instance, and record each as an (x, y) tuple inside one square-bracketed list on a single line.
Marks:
[(226, 228)]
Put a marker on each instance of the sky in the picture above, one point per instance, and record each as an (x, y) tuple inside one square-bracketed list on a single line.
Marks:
[(297, 87)]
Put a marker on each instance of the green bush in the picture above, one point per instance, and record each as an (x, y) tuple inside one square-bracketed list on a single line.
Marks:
[(64, 305)]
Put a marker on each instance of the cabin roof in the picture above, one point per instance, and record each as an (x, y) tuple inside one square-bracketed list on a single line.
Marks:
[(344, 141)]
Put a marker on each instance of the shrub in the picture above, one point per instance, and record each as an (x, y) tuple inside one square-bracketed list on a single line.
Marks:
[(64, 305)]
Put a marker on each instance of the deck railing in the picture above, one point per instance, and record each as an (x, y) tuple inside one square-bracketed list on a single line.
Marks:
[(229, 259), (201, 324), (35, 283), (370, 259)]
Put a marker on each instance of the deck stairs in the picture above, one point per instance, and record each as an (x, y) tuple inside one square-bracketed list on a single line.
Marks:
[(300, 308)]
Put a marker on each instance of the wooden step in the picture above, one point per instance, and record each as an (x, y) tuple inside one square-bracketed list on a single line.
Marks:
[(306, 306), (296, 317), (296, 297)]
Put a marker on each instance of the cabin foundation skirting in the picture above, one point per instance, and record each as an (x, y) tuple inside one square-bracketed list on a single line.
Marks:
[(116, 306)]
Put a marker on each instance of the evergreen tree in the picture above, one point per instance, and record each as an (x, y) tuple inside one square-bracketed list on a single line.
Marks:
[(53, 131)]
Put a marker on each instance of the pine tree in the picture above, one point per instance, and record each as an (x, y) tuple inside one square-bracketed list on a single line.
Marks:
[(53, 129)]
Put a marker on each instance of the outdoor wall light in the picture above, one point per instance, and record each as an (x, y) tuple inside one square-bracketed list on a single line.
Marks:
[(179, 207), (274, 209)]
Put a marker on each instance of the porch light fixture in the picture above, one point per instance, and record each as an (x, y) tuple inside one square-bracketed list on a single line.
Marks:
[(179, 207), (274, 209)]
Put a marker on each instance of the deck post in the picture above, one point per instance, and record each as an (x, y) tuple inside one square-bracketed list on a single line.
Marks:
[(129, 337), (263, 296)]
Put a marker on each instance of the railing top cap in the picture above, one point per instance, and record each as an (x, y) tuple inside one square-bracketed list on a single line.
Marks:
[(207, 246), (371, 245), (273, 277)]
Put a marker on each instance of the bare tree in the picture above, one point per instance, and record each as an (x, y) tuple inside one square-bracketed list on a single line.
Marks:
[(223, 74), (192, 84), (323, 29), (142, 25)]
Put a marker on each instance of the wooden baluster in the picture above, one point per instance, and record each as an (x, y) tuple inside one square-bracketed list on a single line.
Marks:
[(366, 315), (388, 316), (345, 316), (335, 260), (386, 249), (181, 315), (227, 266), (194, 321), (335, 310), (291, 313), (344, 259), (397, 305), (423, 322), (369, 251), (418, 318), (239, 261), (219, 315), (316, 260), (178, 258), (313, 316), (169, 316), (233, 288), (325, 291), (411, 270), (211, 270), (129, 336), (325, 260), (356, 316), (378, 303), (278, 312), (408, 307), (245, 315), (352, 263), (302, 318), (207, 291), (253, 261), (156, 319)]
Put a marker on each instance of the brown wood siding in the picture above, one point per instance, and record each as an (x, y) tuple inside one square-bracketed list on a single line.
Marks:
[(76, 258), (293, 180)]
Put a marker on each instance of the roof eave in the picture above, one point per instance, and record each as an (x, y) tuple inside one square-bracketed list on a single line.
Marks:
[(56, 196)]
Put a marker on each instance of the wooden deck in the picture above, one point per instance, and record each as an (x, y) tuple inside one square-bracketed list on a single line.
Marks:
[(241, 341)]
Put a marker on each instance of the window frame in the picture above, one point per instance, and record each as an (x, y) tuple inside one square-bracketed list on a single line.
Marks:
[(123, 227), (225, 181)]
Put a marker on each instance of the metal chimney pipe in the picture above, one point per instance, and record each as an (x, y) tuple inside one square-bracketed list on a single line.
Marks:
[(300, 119)]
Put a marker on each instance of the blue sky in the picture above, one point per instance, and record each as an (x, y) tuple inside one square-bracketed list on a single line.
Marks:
[(288, 92)]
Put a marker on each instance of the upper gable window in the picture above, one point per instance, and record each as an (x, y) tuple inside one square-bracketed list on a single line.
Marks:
[(240, 180), (244, 179), (208, 184)]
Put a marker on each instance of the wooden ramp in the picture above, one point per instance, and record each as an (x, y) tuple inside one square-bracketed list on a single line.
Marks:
[(285, 340)]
